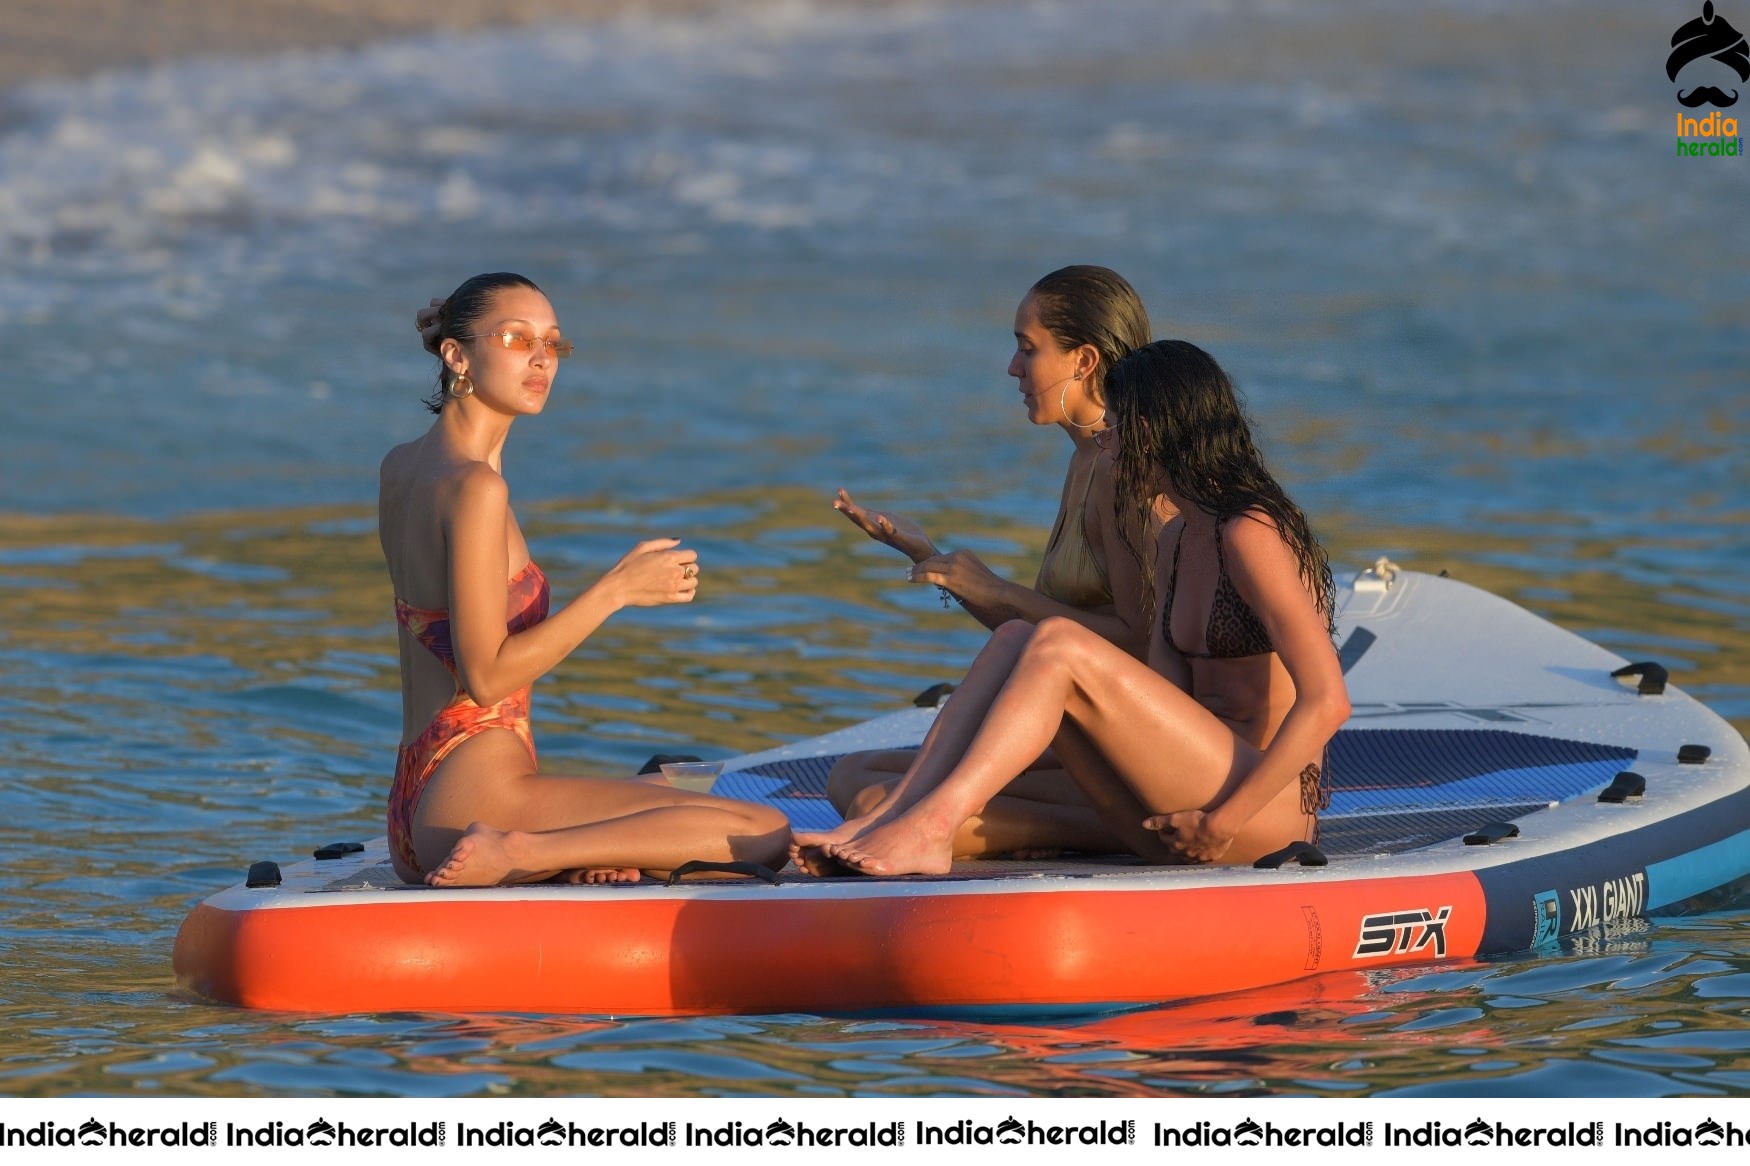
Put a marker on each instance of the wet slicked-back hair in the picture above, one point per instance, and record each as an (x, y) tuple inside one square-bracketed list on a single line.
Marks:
[(1086, 304), (461, 316), (1175, 409)]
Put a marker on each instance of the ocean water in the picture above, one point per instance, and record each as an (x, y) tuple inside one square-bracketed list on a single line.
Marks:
[(1485, 318)]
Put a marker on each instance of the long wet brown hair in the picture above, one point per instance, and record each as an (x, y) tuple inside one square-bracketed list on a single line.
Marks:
[(1175, 409)]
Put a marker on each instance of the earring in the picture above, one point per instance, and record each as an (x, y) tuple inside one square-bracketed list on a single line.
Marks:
[(456, 389), (1063, 398)]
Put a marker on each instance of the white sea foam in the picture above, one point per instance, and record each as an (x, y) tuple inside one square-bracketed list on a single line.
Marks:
[(642, 122)]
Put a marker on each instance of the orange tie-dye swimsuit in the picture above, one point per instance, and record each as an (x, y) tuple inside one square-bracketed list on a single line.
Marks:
[(461, 718)]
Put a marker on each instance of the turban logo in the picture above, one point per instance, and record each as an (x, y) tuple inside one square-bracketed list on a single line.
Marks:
[(1709, 35)]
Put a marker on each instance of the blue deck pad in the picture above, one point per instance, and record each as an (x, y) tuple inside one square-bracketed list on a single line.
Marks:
[(1372, 769), (1399, 832), (1391, 789), (798, 788)]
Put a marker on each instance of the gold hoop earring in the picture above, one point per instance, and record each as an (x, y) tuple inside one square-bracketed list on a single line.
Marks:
[(456, 389), (1062, 401)]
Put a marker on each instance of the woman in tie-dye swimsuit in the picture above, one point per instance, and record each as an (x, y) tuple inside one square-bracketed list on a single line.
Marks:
[(468, 806)]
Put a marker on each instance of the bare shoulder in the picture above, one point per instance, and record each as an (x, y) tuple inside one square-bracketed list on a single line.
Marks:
[(1253, 531), (1167, 541), (1255, 551), (397, 462), (472, 488), (418, 478), (478, 480), (1103, 502), (1264, 567)]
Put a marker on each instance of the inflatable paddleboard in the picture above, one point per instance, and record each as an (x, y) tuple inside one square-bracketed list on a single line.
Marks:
[(1501, 783)]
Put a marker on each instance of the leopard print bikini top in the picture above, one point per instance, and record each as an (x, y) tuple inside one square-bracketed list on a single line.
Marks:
[(1234, 628)]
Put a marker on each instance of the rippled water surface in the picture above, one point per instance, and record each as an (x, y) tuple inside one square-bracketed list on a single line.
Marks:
[(1486, 322)]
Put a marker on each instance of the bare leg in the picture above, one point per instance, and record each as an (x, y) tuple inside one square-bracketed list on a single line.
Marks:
[(485, 856), (1023, 827), (947, 740), (1125, 712), (1040, 814), (1112, 800), (603, 875), (855, 772), (1045, 780), (543, 825)]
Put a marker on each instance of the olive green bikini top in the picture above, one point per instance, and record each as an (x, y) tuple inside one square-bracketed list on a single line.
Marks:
[(1070, 573)]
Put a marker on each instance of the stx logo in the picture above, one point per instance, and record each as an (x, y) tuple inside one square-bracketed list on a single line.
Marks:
[(1397, 932)]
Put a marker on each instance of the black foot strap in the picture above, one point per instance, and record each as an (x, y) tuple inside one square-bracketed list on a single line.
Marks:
[(1304, 853), (750, 869)]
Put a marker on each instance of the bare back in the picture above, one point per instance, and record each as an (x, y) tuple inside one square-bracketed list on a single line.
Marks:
[(417, 488)]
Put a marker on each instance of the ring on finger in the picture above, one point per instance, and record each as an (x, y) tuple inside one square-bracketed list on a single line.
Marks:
[(690, 571)]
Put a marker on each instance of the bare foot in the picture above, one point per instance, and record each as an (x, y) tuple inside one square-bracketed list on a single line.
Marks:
[(481, 857), (810, 850), (814, 860), (899, 847), (600, 875)]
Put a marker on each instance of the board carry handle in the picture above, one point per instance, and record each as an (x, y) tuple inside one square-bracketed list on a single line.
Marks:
[(262, 874), (1627, 784), (1491, 834), (1304, 853), (1652, 676), (697, 866), (933, 697), (658, 760)]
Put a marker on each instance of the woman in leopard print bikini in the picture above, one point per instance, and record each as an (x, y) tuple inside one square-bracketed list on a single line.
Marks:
[(1210, 752)]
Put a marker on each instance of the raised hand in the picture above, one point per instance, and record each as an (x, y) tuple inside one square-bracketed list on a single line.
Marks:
[(902, 534), (426, 320), (655, 572)]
